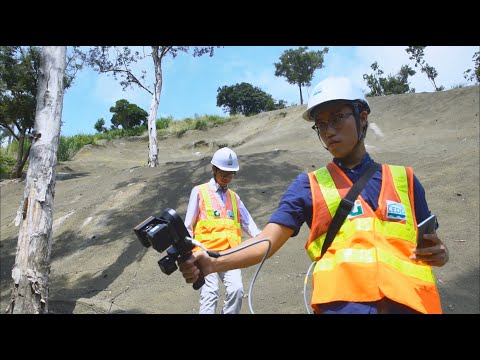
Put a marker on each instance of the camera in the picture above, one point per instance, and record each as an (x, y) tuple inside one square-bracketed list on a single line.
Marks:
[(167, 232)]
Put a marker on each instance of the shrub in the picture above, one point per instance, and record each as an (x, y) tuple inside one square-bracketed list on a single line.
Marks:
[(201, 125), (7, 162), (164, 123)]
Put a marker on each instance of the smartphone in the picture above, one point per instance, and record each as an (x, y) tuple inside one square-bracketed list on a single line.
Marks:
[(427, 226)]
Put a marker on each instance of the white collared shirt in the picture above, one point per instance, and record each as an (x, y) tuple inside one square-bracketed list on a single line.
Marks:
[(191, 216)]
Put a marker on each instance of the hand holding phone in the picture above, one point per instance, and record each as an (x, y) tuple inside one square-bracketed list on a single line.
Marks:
[(427, 226)]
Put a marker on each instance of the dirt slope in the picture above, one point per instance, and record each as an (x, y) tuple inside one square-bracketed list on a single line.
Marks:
[(98, 265)]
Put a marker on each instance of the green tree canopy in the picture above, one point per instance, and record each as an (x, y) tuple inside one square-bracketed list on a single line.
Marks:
[(127, 115), (298, 66), (246, 99), (19, 71), (381, 86), (18, 86), (99, 125)]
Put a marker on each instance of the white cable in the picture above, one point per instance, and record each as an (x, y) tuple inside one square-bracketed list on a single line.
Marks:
[(250, 290), (196, 242), (241, 247), (305, 287)]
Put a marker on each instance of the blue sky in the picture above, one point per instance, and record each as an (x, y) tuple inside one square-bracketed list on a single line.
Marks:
[(190, 83)]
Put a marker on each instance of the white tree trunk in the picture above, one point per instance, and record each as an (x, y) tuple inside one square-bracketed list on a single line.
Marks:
[(152, 116), (32, 263)]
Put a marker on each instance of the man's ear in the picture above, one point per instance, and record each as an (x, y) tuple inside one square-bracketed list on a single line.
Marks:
[(363, 119)]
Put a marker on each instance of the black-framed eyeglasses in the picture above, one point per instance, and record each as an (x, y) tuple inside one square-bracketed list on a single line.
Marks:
[(335, 121), (226, 173)]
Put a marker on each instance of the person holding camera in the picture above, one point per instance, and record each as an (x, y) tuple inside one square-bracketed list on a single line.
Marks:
[(371, 263), (215, 217)]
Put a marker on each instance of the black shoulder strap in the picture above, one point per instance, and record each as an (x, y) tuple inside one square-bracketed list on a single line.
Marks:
[(346, 206)]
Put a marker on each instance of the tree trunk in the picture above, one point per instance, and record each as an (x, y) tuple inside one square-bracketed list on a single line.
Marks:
[(301, 96), (152, 115), (18, 168), (32, 263)]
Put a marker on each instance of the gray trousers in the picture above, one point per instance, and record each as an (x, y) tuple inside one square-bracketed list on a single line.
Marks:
[(232, 279)]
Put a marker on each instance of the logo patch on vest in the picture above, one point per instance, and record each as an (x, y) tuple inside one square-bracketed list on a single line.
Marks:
[(357, 209), (230, 214), (216, 213), (395, 210)]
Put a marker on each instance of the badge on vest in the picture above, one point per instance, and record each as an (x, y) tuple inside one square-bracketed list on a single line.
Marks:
[(230, 214), (395, 210), (216, 213), (357, 209)]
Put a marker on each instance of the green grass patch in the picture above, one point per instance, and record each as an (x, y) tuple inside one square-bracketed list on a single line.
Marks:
[(69, 145)]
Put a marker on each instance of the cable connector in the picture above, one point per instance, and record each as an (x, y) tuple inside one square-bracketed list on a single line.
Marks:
[(213, 254)]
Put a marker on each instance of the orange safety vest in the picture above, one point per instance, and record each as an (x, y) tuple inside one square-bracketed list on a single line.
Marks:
[(369, 257), (218, 227)]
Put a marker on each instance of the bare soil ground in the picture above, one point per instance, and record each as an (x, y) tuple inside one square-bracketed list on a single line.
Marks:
[(99, 266)]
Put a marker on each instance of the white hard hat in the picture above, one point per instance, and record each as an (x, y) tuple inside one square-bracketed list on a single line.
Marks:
[(225, 159), (334, 90)]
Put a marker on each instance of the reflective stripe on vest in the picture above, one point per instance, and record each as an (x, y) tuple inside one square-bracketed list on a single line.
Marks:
[(218, 227), (369, 257)]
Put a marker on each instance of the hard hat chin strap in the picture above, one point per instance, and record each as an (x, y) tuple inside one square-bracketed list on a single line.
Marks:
[(360, 132), (356, 112)]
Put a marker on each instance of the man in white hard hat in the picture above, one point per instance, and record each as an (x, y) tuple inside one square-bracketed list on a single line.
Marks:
[(373, 264), (215, 217)]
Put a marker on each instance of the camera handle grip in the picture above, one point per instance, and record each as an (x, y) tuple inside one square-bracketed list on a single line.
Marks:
[(199, 283), (201, 280)]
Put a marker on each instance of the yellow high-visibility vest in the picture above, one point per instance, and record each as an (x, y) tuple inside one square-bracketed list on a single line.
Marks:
[(218, 227), (369, 257)]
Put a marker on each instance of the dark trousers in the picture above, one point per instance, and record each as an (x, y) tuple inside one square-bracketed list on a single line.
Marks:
[(383, 306)]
